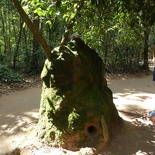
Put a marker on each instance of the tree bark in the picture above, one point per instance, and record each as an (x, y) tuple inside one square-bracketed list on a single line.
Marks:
[(145, 56), (4, 32), (34, 58), (17, 46), (33, 29)]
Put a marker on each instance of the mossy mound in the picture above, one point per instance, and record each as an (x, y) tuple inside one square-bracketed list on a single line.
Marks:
[(77, 108)]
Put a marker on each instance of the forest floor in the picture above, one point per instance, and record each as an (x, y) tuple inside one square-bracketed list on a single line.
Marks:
[(133, 95)]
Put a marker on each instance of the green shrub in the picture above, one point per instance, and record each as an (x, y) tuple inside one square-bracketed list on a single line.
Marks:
[(7, 75)]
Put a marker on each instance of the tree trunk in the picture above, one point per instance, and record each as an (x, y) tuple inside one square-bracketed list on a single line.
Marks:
[(17, 46), (34, 59), (27, 55), (77, 108), (4, 32), (33, 29), (145, 56)]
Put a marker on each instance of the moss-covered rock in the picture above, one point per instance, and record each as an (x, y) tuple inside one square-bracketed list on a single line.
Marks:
[(77, 108)]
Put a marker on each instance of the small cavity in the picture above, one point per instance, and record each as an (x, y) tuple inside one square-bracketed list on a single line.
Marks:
[(92, 130)]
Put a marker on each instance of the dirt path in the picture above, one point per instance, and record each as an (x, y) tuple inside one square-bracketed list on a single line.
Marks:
[(133, 98), (18, 112)]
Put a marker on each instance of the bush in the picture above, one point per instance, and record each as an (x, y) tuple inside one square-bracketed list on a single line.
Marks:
[(7, 75)]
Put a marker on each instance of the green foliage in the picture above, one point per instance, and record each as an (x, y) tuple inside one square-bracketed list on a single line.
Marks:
[(115, 29), (9, 76), (140, 11)]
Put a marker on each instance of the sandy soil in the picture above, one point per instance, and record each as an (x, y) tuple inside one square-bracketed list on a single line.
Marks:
[(18, 114), (133, 97)]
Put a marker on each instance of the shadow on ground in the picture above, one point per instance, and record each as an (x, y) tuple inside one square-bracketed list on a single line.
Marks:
[(18, 111), (135, 138), (18, 114), (133, 98)]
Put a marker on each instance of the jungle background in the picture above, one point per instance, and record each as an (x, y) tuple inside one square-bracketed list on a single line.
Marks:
[(122, 33)]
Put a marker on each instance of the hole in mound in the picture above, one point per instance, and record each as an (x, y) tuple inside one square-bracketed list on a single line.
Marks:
[(91, 130)]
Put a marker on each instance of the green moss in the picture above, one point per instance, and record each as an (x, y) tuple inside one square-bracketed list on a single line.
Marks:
[(71, 119), (75, 97)]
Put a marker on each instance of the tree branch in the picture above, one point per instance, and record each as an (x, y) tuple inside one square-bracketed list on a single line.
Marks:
[(33, 29), (70, 26)]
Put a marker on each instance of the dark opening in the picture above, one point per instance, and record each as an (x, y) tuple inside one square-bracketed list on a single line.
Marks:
[(91, 130)]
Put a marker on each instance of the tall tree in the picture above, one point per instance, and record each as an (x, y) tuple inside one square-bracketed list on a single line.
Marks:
[(35, 52), (142, 12), (17, 45), (33, 29)]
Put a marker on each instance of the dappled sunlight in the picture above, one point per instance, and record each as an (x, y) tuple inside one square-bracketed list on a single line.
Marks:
[(18, 111), (139, 100), (138, 92), (109, 81), (18, 115), (134, 101), (13, 124), (134, 98), (142, 97), (136, 136)]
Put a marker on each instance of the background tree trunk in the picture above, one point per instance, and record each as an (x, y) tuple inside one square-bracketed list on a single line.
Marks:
[(33, 29), (34, 58), (4, 32), (17, 45), (146, 40)]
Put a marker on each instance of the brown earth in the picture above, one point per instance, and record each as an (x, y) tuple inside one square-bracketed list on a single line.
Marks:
[(133, 96)]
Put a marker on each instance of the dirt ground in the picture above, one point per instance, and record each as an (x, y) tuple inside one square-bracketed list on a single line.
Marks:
[(133, 96)]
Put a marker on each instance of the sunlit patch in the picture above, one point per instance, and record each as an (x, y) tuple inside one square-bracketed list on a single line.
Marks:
[(10, 116), (140, 153), (4, 126)]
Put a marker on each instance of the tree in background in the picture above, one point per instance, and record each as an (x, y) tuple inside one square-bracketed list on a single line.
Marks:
[(116, 27), (35, 58), (141, 13)]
